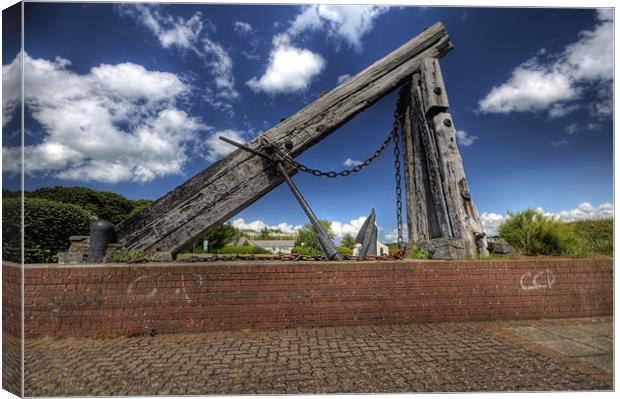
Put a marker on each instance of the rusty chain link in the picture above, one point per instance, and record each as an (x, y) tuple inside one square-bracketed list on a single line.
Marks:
[(393, 136)]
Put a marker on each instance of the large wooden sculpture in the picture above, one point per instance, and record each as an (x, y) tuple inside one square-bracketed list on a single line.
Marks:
[(223, 189)]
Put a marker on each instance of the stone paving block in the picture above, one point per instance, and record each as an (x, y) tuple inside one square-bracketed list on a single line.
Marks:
[(567, 331), (604, 344), (572, 348), (602, 362), (534, 333), (598, 329), (442, 357)]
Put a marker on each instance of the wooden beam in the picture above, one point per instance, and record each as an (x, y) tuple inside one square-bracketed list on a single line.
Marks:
[(434, 94), (228, 186)]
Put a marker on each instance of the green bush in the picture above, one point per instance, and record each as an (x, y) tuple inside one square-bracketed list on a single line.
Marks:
[(109, 206), (249, 249), (306, 251), (530, 232), (126, 255), (597, 235), (48, 226), (139, 205), (416, 252), (345, 250)]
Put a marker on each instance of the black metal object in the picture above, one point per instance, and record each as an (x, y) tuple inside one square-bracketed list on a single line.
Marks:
[(102, 233), (327, 246), (367, 236)]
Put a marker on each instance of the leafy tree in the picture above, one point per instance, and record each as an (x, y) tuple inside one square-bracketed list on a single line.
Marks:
[(264, 234), (347, 241), (48, 226), (221, 236), (109, 206), (139, 205), (307, 238)]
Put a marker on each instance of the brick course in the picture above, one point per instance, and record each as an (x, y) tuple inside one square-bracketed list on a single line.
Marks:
[(113, 300)]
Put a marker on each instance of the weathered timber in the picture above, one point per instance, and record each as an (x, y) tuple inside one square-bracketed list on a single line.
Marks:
[(434, 94), (456, 187), (233, 183), (439, 204)]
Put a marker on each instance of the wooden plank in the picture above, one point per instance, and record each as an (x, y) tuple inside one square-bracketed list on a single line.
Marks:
[(236, 181), (457, 189), (435, 210), (434, 94)]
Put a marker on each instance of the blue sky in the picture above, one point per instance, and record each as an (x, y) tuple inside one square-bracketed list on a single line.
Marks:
[(130, 98)]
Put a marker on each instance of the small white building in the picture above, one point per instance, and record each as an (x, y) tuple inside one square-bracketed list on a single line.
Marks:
[(274, 246), (382, 249)]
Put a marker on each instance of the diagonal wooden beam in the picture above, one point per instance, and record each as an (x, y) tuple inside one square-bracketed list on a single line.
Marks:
[(233, 183)]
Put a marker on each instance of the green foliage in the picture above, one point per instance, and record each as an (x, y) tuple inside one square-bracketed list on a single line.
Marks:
[(306, 236), (246, 249), (109, 206), (48, 226), (597, 235), (306, 251), (221, 236), (416, 252), (345, 250), (347, 241), (139, 205), (265, 234), (532, 233), (125, 255)]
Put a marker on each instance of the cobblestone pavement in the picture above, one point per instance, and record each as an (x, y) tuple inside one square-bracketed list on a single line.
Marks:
[(442, 357)]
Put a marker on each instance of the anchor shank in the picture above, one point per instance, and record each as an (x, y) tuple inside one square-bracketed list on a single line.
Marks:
[(327, 246)]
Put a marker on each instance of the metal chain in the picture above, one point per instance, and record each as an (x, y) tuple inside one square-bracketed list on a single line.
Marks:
[(399, 202), (345, 172)]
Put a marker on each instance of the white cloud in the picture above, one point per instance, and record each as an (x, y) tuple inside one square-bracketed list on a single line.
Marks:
[(114, 123), (351, 162), (344, 77), (555, 84), (392, 236), (218, 148), (465, 139), (352, 227), (491, 221), (221, 67), (585, 211), (185, 34), (290, 69), (242, 27), (560, 143), (342, 23), (11, 89), (170, 31), (575, 127), (258, 225)]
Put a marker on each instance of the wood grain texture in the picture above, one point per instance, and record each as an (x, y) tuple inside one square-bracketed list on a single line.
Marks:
[(230, 185), (439, 204), (433, 90)]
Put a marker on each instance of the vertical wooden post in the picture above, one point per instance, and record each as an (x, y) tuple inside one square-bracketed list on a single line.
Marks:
[(441, 215)]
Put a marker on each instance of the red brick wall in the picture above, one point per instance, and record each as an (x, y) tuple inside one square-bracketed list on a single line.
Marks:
[(121, 300)]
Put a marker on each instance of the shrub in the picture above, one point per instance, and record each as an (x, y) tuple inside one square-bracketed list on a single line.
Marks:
[(139, 205), (125, 255), (109, 206), (306, 251), (48, 226), (597, 235), (532, 233), (415, 252), (345, 250), (249, 249)]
